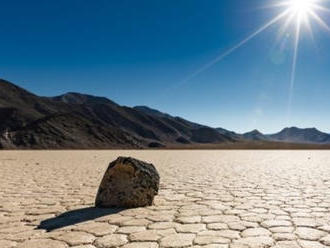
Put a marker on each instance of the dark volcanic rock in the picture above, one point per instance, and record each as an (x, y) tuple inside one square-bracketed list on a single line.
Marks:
[(128, 183)]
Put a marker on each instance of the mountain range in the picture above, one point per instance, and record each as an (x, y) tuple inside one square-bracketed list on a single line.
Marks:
[(292, 135), (76, 120), (80, 121)]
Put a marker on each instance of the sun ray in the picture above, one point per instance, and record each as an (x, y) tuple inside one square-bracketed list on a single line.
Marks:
[(294, 64), (309, 28), (318, 7), (231, 50), (319, 20), (285, 27)]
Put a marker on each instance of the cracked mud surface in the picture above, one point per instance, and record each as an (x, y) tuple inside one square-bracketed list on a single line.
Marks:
[(225, 199)]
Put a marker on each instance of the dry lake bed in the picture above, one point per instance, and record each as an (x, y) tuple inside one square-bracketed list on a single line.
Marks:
[(225, 199)]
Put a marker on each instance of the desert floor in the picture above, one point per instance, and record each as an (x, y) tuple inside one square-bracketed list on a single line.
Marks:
[(236, 199)]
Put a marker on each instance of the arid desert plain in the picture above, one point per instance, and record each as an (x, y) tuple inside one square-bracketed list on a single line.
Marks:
[(225, 199)]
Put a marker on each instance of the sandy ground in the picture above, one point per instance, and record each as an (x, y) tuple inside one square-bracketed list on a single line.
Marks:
[(225, 199)]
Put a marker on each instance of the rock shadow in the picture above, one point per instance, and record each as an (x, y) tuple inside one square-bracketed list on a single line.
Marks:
[(76, 216)]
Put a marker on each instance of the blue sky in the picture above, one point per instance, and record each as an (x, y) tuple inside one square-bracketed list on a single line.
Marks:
[(139, 52)]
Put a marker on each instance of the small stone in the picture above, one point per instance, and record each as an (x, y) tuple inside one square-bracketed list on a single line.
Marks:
[(128, 182)]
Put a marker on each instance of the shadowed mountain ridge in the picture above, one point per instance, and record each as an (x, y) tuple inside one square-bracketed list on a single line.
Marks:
[(75, 120)]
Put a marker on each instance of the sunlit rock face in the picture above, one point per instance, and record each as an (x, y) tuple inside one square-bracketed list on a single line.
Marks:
[(128, 183)]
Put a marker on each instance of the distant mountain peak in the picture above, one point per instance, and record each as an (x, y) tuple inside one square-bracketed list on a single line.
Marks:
[(298, 129), (301, 135), (255, 131), (255, 135)]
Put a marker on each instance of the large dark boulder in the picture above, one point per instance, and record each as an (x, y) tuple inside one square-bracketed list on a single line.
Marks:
[(128, 183)]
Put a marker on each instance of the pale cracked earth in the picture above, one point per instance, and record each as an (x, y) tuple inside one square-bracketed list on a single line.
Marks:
[(225, 199)]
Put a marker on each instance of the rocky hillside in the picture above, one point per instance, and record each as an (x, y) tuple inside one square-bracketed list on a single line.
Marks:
[(76, 120)]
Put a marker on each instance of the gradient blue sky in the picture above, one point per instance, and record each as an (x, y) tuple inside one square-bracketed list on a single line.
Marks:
[(138, 52)]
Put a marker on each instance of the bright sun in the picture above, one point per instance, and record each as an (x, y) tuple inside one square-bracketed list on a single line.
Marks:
[(301, 7)]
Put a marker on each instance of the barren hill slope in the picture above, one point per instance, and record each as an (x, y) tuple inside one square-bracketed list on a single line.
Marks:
[(76, 120)]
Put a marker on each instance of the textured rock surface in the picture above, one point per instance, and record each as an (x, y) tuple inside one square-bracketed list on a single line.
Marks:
[(128, 182), (207, 199)]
